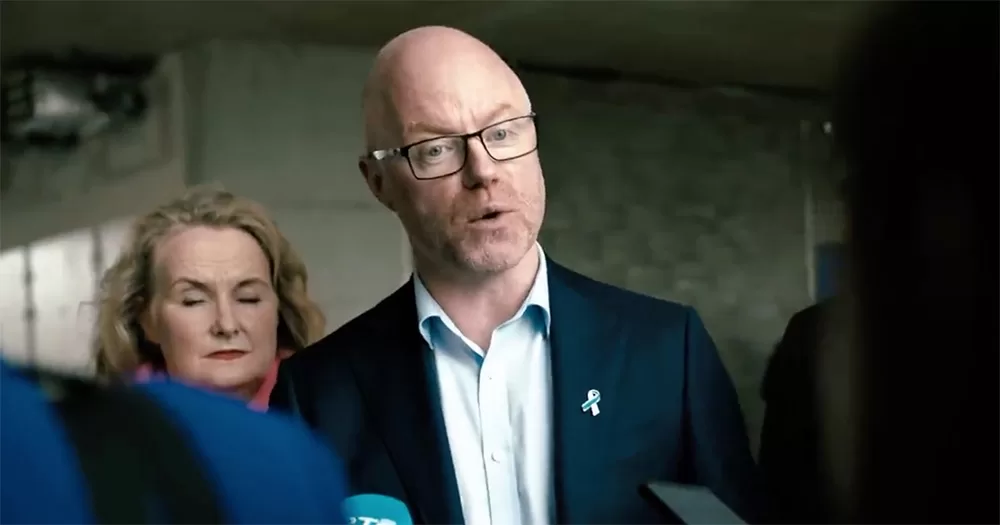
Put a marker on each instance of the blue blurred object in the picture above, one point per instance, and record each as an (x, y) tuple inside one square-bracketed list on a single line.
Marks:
[(368, 509), (264, 468), (829, 261)]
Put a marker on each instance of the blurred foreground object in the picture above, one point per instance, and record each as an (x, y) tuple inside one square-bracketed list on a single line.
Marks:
[(790, 460), (72, 451), (912, 399)]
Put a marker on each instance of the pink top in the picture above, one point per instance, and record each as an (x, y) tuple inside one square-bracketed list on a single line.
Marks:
[(260, 400)]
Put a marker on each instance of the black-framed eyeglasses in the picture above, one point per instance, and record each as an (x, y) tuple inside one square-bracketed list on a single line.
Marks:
[(446, 155)]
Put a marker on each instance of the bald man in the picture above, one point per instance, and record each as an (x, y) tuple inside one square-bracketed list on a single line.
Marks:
[(496, 386)]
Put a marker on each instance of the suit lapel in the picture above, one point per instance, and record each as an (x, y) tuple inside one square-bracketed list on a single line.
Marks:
[(399, 385), (585, 345)]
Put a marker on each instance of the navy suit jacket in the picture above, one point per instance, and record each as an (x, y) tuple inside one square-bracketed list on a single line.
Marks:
[(668, 408)]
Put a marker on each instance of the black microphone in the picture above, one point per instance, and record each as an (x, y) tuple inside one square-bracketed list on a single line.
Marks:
[(689, 504)]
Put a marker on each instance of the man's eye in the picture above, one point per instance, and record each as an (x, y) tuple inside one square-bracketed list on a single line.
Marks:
[(498, 134), (434, 151)]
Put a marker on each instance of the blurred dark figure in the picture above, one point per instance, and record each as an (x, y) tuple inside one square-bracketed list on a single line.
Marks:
[(790, 456), (917, 117)]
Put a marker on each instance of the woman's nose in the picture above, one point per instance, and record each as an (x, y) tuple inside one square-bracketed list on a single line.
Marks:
[(225, 321)]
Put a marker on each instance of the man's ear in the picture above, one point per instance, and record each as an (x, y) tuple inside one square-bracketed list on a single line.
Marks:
[(376, 183)]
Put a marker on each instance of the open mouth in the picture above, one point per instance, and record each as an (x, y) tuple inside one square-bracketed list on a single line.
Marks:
[(489, 216)]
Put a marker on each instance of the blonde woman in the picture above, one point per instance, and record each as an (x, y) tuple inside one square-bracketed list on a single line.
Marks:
[(206, 291)]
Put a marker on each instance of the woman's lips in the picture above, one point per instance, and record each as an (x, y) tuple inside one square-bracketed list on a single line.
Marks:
[(227, 355)]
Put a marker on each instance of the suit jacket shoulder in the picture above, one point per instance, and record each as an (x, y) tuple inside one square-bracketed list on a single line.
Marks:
[(638, 308), (792, 363), (356, 336), (326, 368)]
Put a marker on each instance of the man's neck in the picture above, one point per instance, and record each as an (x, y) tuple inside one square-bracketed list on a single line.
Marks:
[(479, 306)]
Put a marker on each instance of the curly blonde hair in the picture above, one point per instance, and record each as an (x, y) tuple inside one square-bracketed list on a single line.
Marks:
[(120, 346)]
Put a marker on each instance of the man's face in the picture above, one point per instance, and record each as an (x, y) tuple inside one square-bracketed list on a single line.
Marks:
[(483, 219)]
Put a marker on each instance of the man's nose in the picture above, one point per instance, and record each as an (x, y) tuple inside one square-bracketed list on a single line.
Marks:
[(225, 319), (480, 168)]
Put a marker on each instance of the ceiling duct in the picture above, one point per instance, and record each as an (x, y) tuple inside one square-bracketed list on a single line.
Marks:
[(57, 101)]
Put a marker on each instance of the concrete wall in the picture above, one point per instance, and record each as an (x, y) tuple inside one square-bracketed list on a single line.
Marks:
[(706, 198), (702, 197), (65, 215)]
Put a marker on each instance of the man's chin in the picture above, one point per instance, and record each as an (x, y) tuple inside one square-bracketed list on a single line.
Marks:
[(492, 258)]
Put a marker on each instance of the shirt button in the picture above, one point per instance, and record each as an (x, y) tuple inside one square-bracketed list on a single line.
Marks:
[(495, 456)]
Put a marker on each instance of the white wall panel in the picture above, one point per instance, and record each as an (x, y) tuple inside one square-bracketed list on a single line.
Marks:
[(63, 287), (113, 235), (14, 339)]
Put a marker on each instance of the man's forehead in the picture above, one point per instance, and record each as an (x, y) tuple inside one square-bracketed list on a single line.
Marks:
[(458, 101), (448, 83)]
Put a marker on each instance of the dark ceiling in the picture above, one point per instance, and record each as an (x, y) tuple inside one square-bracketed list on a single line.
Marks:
[(770, 43)]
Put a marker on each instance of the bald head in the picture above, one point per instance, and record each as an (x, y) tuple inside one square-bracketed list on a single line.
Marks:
[(427, 86), (431, 73)]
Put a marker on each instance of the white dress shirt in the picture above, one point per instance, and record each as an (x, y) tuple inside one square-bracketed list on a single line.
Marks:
[(497, 410)]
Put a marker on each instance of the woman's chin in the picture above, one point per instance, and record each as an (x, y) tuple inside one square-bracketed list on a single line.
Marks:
[(242, 386)]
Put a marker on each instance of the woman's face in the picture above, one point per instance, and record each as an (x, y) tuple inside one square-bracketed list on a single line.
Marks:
[(214, 312)]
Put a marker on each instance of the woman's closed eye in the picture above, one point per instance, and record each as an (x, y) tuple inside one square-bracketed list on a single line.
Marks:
[(195, 301)]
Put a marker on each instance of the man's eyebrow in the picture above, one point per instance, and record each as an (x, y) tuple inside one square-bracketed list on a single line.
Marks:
[(425, 127), (415, 127), (503, 110)]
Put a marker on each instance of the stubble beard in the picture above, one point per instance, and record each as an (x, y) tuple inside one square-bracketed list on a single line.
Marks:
[(477, 254), (491, 252)]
